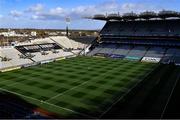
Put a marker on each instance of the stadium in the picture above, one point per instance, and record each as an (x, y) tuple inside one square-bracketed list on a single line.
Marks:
[(131, 70)]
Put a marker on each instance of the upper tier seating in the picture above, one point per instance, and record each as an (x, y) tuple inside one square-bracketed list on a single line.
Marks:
[(142, 28), (170, 43)]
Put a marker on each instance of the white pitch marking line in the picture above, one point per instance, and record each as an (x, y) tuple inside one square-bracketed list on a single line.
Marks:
[(12, 80), (170, 96), (125, 94), (104, 74), (15, 82), (46, 102), (67, 91), (4, 81)]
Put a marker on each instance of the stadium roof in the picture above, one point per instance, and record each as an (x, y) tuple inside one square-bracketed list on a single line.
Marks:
[(164, 14)]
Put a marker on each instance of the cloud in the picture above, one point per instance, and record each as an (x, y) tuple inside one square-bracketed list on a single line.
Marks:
[(105, 7), (1, 16), (53, 14), (38, 11), (137, 8), (43, 15), (75, 13), (15, 13), (57, 10), (35, 8), (47, 16)]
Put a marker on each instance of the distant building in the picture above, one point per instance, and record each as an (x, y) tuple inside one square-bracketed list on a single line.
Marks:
[(33, 33), (53, 33), (12, 34), (64, 33)]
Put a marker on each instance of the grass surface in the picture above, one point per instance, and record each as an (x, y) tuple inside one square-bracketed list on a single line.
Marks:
[(78, 86)]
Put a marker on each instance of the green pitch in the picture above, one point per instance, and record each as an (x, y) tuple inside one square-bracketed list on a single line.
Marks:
[(81, 86)]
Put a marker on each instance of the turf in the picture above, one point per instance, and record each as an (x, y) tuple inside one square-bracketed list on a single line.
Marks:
[(81, 86)]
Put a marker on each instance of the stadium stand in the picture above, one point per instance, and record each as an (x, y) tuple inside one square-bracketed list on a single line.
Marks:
[(68, 43), (15, 107), (95, 51), (36, 41), (177, 57), (111, 50), (38, 47), (154, 54), (12, 57), (122, 50), (142, 28), (62, 41), (108, 49), (42, 41), (168, 57), (87, 40), (172, 56), (143, 41), (137, 53), (148, 37), (49, 56), (43, 52), (35, 51)]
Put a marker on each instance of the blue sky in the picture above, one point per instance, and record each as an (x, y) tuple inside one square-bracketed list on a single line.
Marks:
[(52, 13)]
